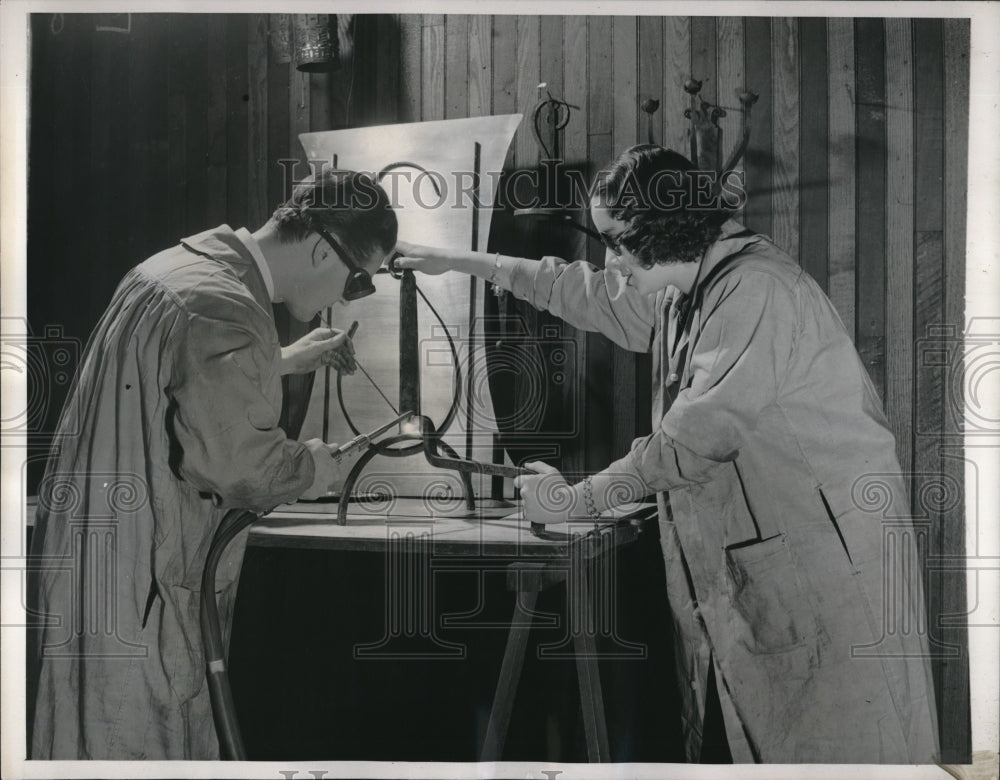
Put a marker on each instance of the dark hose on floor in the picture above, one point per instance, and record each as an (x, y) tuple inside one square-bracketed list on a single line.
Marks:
[(224, 712)]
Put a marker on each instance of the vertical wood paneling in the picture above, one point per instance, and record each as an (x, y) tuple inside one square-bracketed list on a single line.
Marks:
[(321, 101), (625, 125), (600, 127), (456, 74), (214, 121), (551, 53), (759, 156), (176, 124), (731, 82), (196, 60), (871, 156), (432, 67), (703, 57), (841, 167), (957, 738), (929, 313), (575, 153), (625, 91), (278, 97), (480, 66), (365, 85), (785, 124), (651, 76), (666, 73), (814, 238), (505, 72), (299, 119), (147, 138), (107, 208), (526, 149), (410, 48), (257, 110), (664, 58), (899, 235), (387, 67), (237, 121)]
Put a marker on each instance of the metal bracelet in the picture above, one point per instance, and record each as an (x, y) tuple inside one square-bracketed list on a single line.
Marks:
[(588, 500)]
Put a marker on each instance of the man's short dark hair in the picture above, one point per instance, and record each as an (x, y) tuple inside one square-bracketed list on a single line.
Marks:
[(666, 202), (349, 204)]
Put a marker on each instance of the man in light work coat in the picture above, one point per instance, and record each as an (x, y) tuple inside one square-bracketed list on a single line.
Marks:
[(774, 469), (172, 421)]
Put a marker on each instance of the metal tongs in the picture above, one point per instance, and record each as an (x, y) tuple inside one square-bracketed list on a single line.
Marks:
[(431, 440)]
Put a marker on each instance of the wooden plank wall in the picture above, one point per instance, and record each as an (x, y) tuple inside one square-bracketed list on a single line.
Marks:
[(856, 167)]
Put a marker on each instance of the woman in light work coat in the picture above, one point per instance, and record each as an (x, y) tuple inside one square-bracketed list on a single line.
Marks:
[(779, 493)]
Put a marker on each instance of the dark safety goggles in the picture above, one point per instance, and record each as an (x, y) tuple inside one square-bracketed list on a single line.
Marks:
[(613, 243), (359, 282)]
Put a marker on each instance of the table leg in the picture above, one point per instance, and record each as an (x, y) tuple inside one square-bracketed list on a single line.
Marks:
[(589, 679), (510, 673)]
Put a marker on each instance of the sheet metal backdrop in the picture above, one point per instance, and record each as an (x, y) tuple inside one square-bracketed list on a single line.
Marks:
[(438, 178)]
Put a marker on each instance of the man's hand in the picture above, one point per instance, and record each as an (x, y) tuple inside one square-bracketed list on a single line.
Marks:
[(546, 497), (329, 472), (320, 347)]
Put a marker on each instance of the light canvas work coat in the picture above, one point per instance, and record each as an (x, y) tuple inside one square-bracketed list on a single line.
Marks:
[(177, 401), (781, 506)]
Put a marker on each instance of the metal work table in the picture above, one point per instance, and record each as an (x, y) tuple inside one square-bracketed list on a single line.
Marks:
[(443, 535)]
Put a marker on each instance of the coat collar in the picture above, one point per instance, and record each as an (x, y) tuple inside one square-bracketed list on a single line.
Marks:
[(222, 244), (733, 240)]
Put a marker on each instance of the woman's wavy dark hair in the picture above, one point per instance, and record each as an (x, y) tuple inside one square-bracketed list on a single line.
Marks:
[(664, 200), (349, 204)]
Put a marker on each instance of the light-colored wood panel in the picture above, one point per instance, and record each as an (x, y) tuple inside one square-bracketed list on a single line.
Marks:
[(899, 235), (731, 82), (575, 88), (480, 66), (625, 66), (785, 122), (600, 117), (432, 68), (840, 52), (527, 94), (505, 71), (456, 75), (759, 159), (675, 59)]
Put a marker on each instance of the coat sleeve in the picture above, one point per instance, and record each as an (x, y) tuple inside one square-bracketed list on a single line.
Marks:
[(588, 299), (736, 364), (225, 427)]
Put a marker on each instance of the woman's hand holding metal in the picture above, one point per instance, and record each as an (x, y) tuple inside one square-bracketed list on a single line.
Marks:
[(546, 497)]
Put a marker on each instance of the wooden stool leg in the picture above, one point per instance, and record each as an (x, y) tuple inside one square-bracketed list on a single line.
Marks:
[(589, 678), (510, 675)]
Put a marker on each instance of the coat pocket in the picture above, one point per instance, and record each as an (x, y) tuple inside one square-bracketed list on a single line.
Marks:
[(766, 593)]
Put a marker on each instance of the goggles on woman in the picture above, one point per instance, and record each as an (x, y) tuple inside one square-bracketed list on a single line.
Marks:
[(613, 243)]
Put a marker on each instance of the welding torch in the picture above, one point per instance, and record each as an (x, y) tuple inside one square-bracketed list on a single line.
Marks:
[(364, 441)]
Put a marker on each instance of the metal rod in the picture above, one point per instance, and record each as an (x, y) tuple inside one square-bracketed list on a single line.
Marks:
[(473, 287), (368, 377)]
